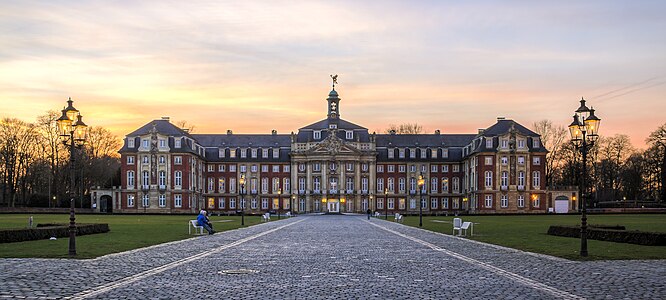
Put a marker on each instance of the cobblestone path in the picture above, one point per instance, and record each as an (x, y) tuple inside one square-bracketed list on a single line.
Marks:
[(336, 257)]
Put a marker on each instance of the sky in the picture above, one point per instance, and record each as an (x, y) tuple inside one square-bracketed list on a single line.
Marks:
[(255, 66)]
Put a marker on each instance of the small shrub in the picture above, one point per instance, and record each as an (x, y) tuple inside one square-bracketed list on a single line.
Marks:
[(46, 231), (611, 235)]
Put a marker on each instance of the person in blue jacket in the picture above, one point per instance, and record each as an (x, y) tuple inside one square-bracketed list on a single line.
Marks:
[(202, 220)]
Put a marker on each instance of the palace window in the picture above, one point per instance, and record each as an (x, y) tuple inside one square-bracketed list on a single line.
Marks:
[(504, 179), (130, 179), (489, 201), (130, 200), (391, 168), (220, 185), (243, 153), (391, 153), (504, 160), (536, 160), (161, 200), (178, 179), (504, 201), (380, 185), (349, 134), (264, 168), (536, 179), (535, 143), (521, 201), (276, 168), (316, 134), (433, 203), (221, 202), (489, 178), (177, 160), (445, 185), (130, 160), (445, 203), (178, 200), (177, 142), (130, 142), (489, 160)]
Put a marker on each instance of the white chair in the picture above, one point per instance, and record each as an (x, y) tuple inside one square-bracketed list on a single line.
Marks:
[(288, 214), (467, 225), (399, 218), (457, 223), (266, 217), (195, 224)]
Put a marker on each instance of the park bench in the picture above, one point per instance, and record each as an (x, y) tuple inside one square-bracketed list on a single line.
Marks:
[(194, 224)]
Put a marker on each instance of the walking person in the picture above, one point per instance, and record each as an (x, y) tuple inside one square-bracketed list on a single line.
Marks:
[(369, 212), (203, 221)]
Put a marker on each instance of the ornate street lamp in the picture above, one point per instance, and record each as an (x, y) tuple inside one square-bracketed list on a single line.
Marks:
[(385, 203), (73, 135), (584, 132), (420, 182), (242, 193)]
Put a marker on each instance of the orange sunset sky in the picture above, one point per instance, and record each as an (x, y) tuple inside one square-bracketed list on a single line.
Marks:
[(253, 66)]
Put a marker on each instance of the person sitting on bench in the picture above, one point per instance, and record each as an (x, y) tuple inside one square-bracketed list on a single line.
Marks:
[(204, 222)]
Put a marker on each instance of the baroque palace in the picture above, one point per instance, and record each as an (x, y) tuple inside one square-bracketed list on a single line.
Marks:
[(333, 166)]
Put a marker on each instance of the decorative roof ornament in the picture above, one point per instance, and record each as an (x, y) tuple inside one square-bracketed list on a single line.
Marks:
[(335, 80)]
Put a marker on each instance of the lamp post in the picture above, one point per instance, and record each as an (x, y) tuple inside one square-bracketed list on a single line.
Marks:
[(420, 182), (242, 193), (584, 132), (73, 135), (385, 203), (279, 192), (291, 205)]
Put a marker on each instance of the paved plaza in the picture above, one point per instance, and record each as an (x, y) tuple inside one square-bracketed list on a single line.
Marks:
[(330, 256)]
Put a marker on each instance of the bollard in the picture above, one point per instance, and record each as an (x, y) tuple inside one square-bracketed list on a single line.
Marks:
[(30, 222)]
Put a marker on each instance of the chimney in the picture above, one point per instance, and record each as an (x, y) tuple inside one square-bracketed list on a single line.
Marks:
[(437, 132), (274, 132), (501, 118), (165, 119), (229, 132), (392, 132), (187, 130), (481, 130)]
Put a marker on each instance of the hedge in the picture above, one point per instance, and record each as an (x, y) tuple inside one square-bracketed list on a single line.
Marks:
[(612, 235), (46, 231)]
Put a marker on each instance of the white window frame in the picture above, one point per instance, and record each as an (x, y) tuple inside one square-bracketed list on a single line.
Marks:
[(177, 200), (316, 134), (349, 134), (504, 201), (488, 203)]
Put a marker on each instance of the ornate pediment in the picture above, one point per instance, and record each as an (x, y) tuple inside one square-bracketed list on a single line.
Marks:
[(333, 145)]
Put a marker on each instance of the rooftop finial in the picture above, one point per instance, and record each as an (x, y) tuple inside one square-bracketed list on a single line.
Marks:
[(335, 80)]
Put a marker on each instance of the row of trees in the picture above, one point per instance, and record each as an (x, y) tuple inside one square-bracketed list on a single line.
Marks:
[(34, 164), (616, 169)]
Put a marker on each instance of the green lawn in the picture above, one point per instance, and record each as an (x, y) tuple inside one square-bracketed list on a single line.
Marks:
[(127, 232), (529, 233)]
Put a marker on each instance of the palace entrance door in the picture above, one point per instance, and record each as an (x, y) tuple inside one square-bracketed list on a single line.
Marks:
[(333, 206)]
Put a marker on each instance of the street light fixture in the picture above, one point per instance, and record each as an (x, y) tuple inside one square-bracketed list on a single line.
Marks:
[(385, 203), (420, 182), (73, 135), (584, 133), (291, 204), (279, 192), (242, 193)]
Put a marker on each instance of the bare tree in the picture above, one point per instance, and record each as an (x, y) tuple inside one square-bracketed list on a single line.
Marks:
[(18, 150), (185, 126), (406, 128), (657, 139), (553, 138), (612, 154)]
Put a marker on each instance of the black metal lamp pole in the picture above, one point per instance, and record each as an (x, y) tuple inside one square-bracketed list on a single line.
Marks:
[(73, 135), (584, 132), (279, 192), (385, 203), (242, 193), (421, 183)]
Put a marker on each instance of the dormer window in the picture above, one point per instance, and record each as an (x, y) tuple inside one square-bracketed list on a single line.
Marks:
[(505, 144), (535, 143), (401, 153), (521, 144), (350, 134), (254, 152), (412, 153), (276, 153), (177, 142), (162, 143), (333, 126), (445, 153), (221, 152), (130, 142), (264, 153), (316, 134), (243, 153), (145, 143), (232, 153), (391, 153), (489, 143)]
